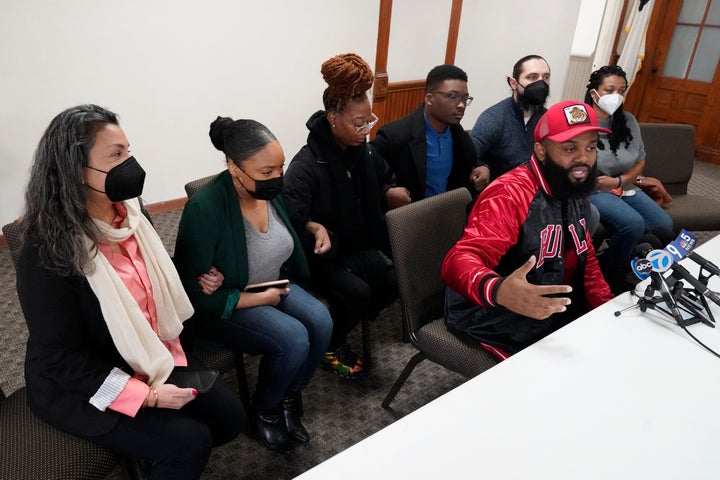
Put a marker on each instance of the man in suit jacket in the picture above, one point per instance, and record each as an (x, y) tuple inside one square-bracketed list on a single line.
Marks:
[(428, 149)]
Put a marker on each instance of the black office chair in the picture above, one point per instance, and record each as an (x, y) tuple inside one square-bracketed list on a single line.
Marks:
[(420, 236), (32, 449), (195, 185)]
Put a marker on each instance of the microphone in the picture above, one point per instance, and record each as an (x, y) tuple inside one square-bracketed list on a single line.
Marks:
[(653, 262), (650, 242), (665, 259), (659, 280), (663, 235), (681, 273), (704, 263), (682, 245), (661, 261), (640, 265)]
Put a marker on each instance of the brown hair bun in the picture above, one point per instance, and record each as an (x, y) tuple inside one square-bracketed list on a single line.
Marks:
[(347, 76)]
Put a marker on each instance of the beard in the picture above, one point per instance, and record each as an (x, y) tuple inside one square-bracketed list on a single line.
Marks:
[(527, 105), (562, 186)]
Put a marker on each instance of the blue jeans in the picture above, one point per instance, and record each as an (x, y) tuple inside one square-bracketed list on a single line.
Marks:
[(291, 336), (630, 217)]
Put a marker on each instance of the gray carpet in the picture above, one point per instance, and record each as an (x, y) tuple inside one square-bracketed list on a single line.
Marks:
[(339, 413)]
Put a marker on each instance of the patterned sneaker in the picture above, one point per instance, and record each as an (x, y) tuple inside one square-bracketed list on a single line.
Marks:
[(345, 354), (344, 362)]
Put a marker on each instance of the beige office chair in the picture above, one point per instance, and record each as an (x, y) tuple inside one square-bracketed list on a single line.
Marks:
[(30, 448), (420, 236), (13, 233), (670, 157)]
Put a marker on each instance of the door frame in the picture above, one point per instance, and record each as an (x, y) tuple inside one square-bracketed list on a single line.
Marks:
[(707, 139), (393, 100)]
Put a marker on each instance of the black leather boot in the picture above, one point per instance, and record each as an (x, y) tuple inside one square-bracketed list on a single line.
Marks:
[(292, 411), (137, 468), (272, 432)]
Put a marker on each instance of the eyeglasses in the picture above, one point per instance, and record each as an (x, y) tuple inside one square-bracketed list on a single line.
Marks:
[(365, 128), (455, 98)]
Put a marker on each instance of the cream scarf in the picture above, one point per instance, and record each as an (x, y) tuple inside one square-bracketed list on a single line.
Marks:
[(133, 336)]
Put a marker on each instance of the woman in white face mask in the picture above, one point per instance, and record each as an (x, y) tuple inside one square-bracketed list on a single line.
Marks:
[(624, 208)]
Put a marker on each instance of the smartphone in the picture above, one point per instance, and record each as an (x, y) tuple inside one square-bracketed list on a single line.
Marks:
[(261, 287), (200, 380)]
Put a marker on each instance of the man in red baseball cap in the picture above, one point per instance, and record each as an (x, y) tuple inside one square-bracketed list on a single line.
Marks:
[(525, 265)]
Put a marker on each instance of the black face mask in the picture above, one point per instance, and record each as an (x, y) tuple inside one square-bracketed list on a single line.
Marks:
[(536, 93), (124, 181), (265, 189), (561, 187)]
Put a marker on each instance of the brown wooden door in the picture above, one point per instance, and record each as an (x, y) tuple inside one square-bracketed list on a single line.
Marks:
[(680, 77), (393, 100)]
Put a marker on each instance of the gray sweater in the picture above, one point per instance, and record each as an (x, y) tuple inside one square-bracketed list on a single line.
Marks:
[(502, 139), (614, 164)]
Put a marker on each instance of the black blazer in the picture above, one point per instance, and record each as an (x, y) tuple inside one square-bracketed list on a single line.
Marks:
[(403, 145), (69, 351)]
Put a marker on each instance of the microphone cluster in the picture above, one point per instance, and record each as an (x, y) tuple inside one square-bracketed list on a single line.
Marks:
[(686, 306)]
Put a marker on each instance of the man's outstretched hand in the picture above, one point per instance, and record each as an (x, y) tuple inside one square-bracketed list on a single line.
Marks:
[(518, 295)]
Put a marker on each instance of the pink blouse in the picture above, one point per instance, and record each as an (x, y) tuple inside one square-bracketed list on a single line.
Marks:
[(130, 266)]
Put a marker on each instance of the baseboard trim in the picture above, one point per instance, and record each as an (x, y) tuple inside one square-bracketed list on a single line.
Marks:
[(152, 208), (165, 206)]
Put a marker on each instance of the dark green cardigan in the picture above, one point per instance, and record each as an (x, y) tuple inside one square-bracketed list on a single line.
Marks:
[(212, 233)]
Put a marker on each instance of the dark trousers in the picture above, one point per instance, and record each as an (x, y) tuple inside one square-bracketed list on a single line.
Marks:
[(176, 444), (357, 285)]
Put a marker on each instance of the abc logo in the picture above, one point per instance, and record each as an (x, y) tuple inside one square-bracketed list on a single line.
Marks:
[(660, 260), (641, 267)]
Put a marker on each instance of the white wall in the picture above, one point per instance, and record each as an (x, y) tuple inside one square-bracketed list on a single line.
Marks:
[(418, 37), (588, 25), (494, 34), (169, 67)]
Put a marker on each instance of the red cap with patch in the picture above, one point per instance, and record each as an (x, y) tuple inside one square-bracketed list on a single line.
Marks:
[(565, 120)]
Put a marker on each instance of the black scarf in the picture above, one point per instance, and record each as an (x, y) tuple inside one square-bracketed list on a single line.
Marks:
[(359, 222)]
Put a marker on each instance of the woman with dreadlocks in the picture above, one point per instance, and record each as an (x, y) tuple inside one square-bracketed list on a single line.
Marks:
[(623, 206), (339, 189)]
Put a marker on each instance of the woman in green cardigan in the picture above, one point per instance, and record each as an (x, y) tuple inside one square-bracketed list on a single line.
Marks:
[(238, 223)]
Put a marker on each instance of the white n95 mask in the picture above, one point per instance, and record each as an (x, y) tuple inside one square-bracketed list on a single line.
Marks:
[(610, 102)]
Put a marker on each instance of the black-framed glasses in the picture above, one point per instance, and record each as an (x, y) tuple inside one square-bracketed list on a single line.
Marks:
[(455, 98), (365, 128)]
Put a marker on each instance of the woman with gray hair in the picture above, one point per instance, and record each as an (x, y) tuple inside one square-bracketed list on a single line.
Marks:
[(104, 307)]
